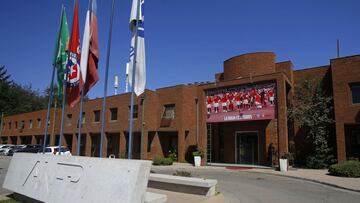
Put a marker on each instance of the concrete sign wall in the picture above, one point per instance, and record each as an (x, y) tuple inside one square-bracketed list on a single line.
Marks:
[(50, 178)]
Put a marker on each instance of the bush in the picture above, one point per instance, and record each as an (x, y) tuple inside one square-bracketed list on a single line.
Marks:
[(173, 155), (346, 169), (162, 161), (182, 173), (198, 152)]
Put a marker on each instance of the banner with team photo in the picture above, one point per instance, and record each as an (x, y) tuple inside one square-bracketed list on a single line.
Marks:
[(241, 103)]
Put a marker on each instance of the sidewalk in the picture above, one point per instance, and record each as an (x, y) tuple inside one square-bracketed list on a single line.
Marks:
[(314, 175)]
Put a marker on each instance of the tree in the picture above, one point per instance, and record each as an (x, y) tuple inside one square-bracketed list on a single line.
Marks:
[(5, 84), (313, 111), (15, 98)]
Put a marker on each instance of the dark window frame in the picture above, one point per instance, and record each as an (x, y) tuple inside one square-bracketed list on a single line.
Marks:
[(114, 114), (135, 112), (355, 88), (97, 117), (68, 119)]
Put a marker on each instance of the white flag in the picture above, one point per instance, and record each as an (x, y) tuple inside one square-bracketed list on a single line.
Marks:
[(140, 69)]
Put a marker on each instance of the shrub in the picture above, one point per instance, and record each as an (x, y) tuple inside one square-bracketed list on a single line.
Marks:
[(173, 155), (162, 161), (346, 169), (198, 152), (182, 173)]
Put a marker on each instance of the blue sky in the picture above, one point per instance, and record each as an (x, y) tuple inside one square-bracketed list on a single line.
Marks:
[(186, 40)]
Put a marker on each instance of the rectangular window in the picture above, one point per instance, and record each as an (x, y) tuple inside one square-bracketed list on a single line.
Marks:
[(113, 114), (135, 112), (3, 127), (30, 124), (355, 93), (16, 125), (69, 119), (83, 118), (22, 125), (9, 125), (39, 122), (97, 116), (169, 112), (356, 135)]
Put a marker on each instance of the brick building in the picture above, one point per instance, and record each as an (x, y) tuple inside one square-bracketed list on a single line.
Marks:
[(237, 118)]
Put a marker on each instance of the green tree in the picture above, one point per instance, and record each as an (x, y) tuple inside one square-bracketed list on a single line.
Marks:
[(5, 84), (312, 109), (15, 98)]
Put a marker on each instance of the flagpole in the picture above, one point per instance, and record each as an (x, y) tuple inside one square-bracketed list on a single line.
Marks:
[(51, 89), (133, 80), (80, 122), (66, 75), (142, 127), (106, 80), (63, 108), (53, 127), (49, 105)]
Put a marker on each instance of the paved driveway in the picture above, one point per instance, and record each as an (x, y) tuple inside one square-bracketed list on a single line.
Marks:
[(248, 187), (4, 164)]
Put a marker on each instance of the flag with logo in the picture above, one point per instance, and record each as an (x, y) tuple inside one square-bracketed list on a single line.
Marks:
[(74, 84), (60, 56), (140, 69), (90, 49)]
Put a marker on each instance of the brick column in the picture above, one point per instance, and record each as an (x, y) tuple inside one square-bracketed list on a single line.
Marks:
[(282, 117), (88, 145), (122, 145), (33, 139), (340, 142), (74, 144), (181, 145), (105, 145)]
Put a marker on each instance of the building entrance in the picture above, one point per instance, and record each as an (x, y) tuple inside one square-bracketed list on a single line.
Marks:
[(247, 147)]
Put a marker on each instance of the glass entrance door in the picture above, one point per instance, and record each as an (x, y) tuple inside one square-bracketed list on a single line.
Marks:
[(247, 148)]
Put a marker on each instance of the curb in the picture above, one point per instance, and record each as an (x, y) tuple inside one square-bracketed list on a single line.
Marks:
[(307, 179)]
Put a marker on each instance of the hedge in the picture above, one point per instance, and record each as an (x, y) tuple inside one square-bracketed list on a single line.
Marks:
[(346, 169), (162, 161)]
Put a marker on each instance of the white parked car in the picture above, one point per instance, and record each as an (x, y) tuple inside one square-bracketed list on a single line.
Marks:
[(55, 150), (5, 149), (5, 145)]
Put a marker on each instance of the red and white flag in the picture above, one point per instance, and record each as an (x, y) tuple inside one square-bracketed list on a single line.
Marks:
[(90, 49), (74, 84)]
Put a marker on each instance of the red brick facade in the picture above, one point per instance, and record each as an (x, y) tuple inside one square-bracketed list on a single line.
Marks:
[(187, 130)]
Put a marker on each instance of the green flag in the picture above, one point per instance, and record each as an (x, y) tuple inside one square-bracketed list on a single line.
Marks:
[(60, 56)]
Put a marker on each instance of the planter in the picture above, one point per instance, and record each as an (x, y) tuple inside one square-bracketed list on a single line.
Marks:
[(283, 165), (197, 160)]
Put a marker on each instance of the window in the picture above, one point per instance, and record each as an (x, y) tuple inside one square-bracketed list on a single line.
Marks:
[(169, 112), (22, 125), (355, 93), (39, 122), (3, 127), (16, 125), (83, 118), (9, 126), (135, 112), (113, 114), (30, 124), (356, 135), (97, 116), (69, 119)]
